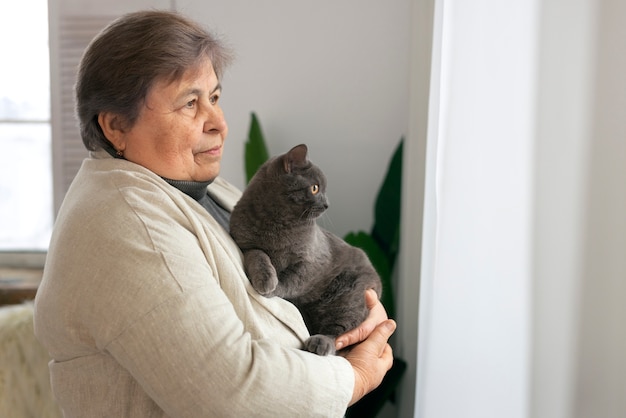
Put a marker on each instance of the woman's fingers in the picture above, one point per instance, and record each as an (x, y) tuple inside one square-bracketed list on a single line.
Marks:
[(377, 314), (371, 359)]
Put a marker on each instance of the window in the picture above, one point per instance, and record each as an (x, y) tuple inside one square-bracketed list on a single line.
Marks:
[(26, 208)]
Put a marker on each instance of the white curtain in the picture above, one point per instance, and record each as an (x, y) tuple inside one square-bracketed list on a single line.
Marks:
[(521, 271), (475, 319)]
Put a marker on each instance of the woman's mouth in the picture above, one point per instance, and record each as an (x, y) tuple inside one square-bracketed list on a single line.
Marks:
[(215, 151)]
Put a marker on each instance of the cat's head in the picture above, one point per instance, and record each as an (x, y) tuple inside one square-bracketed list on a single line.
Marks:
[(298, 185)]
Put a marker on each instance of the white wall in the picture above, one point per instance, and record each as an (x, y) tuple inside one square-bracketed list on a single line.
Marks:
[(564, 112), (580, 233)]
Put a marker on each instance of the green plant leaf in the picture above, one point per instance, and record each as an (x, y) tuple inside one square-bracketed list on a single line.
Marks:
[(380, 262), (386, 229), (255, 152)]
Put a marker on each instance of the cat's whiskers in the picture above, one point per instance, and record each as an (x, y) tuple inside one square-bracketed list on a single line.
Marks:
[(323, 221), (305, 214)]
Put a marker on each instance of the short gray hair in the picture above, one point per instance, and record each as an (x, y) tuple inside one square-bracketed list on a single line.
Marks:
[(124, 60)]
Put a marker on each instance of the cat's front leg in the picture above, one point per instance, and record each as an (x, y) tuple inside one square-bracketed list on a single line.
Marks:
[(260, 271), (294, 280)]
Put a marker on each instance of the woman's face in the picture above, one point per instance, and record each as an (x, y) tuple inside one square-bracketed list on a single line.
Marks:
[(180, 131)]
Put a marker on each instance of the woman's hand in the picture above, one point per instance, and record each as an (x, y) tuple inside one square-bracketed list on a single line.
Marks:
[(371, 359), (376, 316), (372, 356)]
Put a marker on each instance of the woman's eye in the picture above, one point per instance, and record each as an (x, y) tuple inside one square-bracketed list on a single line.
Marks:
[(315, 189), (190, 104), (214, 99)]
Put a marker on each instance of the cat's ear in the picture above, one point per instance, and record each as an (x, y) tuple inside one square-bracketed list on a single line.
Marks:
[(295, 158)]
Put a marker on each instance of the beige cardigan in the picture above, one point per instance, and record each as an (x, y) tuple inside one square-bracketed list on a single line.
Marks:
[(146, 311)]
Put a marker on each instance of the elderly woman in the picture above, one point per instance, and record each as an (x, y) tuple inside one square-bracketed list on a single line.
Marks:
[(144, 305)]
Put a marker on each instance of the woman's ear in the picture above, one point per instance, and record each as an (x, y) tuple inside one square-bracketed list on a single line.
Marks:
[(113, 129)]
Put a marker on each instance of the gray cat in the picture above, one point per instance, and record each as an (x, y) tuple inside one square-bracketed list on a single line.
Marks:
[(287, 254)]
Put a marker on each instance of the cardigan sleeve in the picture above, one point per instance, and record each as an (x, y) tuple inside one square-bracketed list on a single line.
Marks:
[(193, 357)]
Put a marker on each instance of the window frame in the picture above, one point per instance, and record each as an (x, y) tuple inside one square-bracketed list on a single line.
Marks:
[(18, 258)]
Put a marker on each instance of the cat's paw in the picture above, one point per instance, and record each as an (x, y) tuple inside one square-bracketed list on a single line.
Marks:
[(320, 344), (265, 284), (261, 272)]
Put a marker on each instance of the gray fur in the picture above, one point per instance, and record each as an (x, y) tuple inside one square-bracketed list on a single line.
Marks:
[(287, 254)]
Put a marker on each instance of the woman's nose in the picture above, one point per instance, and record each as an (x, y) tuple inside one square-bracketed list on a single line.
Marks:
[(214, 120)]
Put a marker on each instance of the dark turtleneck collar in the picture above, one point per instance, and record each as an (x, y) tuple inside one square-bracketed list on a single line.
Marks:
[(194, 189), (197, 190)]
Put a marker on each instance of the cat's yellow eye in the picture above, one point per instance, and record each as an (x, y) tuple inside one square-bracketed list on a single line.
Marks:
[(315, 189)]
